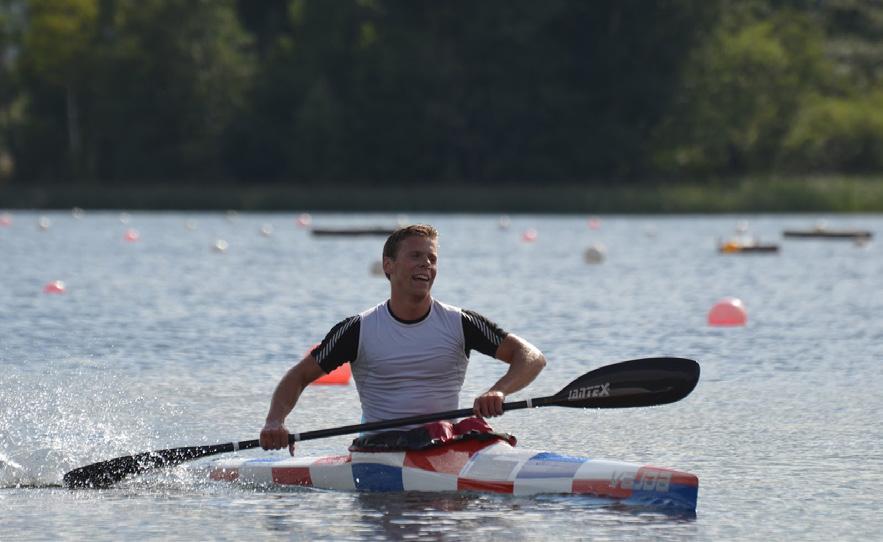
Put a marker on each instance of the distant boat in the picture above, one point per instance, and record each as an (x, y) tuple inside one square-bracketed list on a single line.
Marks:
[(352, 231), (737, 247), (825, 233)]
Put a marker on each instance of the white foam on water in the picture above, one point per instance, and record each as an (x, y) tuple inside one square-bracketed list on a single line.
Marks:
[(51, 424)]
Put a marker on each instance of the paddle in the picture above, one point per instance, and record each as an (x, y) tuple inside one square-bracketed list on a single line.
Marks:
[(635, 383)]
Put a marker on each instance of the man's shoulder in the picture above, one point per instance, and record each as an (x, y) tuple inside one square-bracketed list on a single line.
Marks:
[(372, 310), (447, 307)]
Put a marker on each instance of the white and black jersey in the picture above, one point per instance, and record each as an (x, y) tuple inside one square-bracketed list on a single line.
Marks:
[(408, 368)]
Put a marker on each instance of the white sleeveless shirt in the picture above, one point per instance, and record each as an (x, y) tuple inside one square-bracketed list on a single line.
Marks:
[(405, 369), (408, 369)]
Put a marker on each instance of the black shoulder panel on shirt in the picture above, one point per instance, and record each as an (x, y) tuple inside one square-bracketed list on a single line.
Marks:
[(481, 334), (340, 345)]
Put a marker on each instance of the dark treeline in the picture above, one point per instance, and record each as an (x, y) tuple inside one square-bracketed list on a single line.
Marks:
[(395, 91)]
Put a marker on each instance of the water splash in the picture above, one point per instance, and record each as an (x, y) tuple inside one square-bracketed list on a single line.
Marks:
[(54, 420)]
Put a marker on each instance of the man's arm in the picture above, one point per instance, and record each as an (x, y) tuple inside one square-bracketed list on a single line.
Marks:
[(274, 435), (525, 363)]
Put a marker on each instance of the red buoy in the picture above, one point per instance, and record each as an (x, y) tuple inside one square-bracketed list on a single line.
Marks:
[(529, 236), (729, 311), (54, 287)]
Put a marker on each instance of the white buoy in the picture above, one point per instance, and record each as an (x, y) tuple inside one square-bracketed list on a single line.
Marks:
[(267, 230), (44, 223), (220, 246), (595, 254), (504, 222)]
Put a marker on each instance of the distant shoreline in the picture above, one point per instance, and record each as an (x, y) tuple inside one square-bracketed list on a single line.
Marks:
[(835, 194)]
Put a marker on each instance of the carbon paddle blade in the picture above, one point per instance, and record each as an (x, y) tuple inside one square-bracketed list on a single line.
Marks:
[(106, 473), (634, 383)]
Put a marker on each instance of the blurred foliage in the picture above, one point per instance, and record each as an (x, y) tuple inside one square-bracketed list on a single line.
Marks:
[(375, 92)]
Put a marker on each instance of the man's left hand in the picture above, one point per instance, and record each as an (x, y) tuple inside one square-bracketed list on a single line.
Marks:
[(489, 404)]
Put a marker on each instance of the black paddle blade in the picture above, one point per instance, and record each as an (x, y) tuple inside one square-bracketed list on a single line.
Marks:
[(106, 473), (634, 383)]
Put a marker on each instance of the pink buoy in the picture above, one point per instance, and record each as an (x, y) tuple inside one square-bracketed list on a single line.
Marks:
[(594, 223), (131, 235), (529, 235), (54, 287), (729, 311), (5, 220), (304, 220)]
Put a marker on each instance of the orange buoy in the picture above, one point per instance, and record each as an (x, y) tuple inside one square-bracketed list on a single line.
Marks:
[(54, 287), (131, 235), (304, 220), (729, 311), (338, 377), (5, 220)]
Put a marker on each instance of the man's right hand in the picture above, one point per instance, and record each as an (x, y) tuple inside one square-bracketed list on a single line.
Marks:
[(274, 436)]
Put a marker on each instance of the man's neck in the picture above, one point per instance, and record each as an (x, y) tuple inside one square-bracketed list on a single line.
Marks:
[(408, 308)]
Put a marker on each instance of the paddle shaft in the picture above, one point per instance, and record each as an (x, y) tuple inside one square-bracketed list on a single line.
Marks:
[(370, 426)]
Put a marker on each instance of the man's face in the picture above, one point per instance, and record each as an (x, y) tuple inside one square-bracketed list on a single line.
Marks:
[(414, 268)]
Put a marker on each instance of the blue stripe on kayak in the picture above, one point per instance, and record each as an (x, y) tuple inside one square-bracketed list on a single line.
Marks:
[(374, 477), (551, 465), (680, 495)]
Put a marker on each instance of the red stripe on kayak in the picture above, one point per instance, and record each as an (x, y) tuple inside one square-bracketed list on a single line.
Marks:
[(466, 484), (448, 459), (292, 476), (334, 460), (226, 475), (601, 488), (685, 479), (656, 478)]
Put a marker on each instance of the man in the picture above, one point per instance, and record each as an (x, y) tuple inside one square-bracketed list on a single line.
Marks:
[(408, 354)]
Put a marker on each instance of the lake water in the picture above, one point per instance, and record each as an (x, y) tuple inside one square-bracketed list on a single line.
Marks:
[(168, 342)]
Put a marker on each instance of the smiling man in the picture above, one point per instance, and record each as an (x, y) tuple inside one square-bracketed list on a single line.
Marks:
[(408, 354)]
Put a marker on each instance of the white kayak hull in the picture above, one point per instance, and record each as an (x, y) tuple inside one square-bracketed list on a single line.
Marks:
[(470, 465)]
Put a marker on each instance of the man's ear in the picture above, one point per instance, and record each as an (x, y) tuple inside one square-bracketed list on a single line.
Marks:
[(387, 265)]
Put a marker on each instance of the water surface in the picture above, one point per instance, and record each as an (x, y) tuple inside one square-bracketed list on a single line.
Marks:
[(167, 342)]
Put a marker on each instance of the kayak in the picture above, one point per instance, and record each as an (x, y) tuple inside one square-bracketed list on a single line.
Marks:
[(470, 465)]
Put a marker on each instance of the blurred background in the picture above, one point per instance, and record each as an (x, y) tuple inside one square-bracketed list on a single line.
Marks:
[(514, 105)]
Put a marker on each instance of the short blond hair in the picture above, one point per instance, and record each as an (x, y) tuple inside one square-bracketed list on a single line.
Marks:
[(391, 247)]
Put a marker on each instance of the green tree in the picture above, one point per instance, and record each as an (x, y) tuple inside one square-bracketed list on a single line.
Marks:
[(57, 46), (741, 94), (10, 15)]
